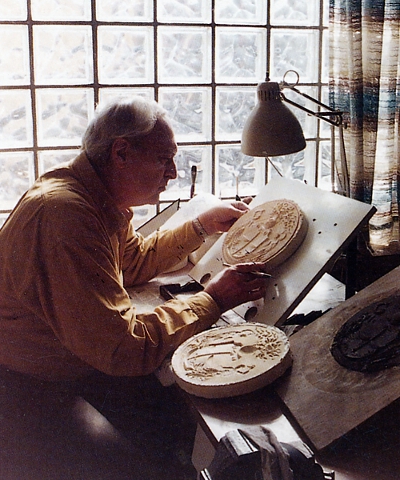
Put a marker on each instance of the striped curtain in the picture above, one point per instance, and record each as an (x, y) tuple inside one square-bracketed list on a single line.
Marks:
[(365, 83)]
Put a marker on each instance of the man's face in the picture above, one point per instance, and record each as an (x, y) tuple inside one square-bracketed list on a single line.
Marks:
[(149, 167)]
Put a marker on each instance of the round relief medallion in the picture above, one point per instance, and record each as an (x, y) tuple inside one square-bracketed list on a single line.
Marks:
[(230, 361), (269, 233)]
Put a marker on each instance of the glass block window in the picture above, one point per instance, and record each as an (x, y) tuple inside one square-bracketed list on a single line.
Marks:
[(200, 59)]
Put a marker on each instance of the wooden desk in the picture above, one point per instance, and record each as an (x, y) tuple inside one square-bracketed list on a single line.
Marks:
[(323, 398)]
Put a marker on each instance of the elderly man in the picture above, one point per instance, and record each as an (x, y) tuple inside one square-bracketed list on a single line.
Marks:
[(68, 330)]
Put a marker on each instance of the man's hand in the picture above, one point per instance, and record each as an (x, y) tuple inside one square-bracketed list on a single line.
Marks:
[(221, 218), (236, 285)]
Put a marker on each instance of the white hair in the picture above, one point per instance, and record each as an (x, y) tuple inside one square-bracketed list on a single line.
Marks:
[(133, 120)]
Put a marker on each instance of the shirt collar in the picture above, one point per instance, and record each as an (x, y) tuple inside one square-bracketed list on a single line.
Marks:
[(114, 218)]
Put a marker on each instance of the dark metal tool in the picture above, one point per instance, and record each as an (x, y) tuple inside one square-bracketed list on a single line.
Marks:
[(169, 291)]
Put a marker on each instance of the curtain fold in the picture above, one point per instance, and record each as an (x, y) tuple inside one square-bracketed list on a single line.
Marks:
[(364, 83)]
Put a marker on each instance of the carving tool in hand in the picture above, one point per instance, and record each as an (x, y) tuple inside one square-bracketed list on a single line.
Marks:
[(256, 273)]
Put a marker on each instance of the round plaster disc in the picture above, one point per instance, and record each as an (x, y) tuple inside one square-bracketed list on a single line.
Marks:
[(269, 233), (230, 361)]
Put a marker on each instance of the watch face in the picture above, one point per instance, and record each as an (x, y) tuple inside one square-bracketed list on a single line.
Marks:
[(370, 340), (269, 233)]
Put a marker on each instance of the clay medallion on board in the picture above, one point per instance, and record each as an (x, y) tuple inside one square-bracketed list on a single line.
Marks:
[(269, 233)]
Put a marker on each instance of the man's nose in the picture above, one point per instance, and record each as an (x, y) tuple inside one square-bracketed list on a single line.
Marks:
[(170, 170)]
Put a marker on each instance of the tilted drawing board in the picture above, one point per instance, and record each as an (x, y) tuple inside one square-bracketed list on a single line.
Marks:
[(333, 221), (322, 399)]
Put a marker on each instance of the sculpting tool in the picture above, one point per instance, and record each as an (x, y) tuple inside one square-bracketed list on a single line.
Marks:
[(256, 273)]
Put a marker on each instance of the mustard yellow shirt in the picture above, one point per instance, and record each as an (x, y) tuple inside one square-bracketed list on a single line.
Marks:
[(66, 255)]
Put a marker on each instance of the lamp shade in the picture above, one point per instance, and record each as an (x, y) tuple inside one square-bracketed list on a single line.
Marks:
[(272, 129)]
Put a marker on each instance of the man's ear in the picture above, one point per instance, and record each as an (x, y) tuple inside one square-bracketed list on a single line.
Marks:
[(119, 152)]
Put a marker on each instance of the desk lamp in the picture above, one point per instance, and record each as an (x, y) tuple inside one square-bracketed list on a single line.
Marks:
[(272, 129)]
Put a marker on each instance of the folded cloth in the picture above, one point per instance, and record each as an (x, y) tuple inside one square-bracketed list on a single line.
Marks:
[(255, 452), (247, 454), (274, 458)]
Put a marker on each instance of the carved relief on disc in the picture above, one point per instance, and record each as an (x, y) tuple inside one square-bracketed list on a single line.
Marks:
[(269, 233), (229, 361)]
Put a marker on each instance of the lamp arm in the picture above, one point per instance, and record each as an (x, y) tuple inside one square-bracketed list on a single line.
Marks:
[(334, 117)]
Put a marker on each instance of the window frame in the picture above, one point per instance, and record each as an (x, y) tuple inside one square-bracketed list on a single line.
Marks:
[(320, 141)]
